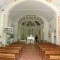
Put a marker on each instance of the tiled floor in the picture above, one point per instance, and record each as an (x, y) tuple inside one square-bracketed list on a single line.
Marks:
[(30, 52)]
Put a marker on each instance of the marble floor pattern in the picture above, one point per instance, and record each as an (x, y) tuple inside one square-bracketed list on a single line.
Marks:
[(30, 52)]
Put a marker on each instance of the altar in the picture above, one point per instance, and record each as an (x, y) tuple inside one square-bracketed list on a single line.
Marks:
[(30, 39)]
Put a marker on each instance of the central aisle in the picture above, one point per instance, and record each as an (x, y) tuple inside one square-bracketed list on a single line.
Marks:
[(30, 52)]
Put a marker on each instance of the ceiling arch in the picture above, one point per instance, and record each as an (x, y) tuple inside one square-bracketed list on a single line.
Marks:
[(32, 7), (30, 20)]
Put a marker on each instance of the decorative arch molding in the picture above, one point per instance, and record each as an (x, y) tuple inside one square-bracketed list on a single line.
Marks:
[(32, 18), (44, 20)]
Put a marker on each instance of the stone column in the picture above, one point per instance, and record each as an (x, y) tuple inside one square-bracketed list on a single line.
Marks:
[(3, 25)]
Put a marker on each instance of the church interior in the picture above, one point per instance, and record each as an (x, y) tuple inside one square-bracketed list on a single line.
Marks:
[(29, 29)]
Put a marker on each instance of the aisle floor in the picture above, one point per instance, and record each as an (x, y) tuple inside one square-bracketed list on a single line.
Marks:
[(30, 52)]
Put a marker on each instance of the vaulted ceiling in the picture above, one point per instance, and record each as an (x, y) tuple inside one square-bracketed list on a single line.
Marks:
[(7, 2), (32, 7), (29, 7), (4, 3)]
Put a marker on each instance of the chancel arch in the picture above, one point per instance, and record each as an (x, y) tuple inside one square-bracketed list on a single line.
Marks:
[(30, 25)]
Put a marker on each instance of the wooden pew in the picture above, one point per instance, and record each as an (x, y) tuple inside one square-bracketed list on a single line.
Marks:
[(48, 50), (47, 47), (4, 56), (14, 49), (17, 44), (54, 57), (48, 53)]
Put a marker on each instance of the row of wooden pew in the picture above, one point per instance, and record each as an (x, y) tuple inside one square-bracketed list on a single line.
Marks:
[(12, 51), (49, 51)]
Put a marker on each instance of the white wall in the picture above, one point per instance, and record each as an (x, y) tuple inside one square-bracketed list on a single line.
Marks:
[(10, 23), (13, 24), (46, 29), (15, 31), (55, 2), (53, 30), (0, 22), (1, 26)]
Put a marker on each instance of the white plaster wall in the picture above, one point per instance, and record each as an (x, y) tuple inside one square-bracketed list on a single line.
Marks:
[(53, 25), (46, 29), (0, 22), (55, 2), (10, 22), (15, 30), (52, 30), (1, 26)]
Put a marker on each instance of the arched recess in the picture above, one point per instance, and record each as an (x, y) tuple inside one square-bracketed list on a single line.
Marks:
[(30, 25), (45, 28), (47, 5)]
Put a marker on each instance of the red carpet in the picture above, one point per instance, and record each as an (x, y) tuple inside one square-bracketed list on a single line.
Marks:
[(30, 52)]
